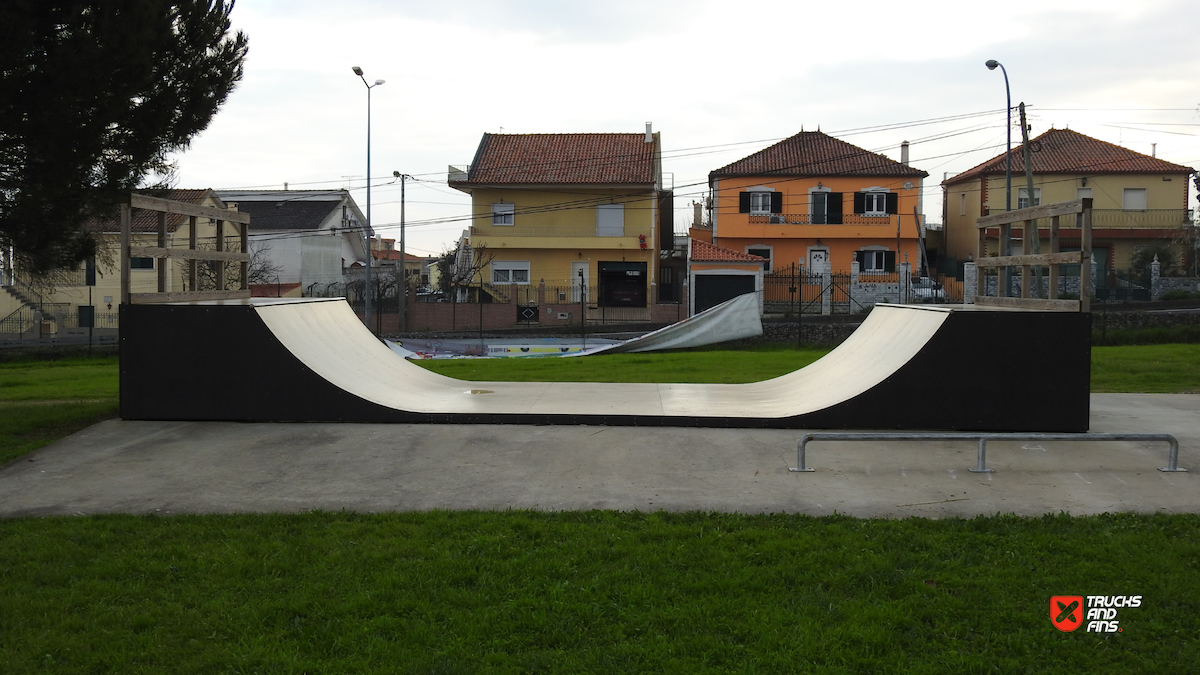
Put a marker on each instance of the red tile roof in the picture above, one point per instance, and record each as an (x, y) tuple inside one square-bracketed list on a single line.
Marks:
[(563, 159), (813, 153), (1066, 151), (392, 254), (702, 251), (147, 221)]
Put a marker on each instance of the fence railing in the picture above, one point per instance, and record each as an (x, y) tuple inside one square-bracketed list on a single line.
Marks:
[(810, 219), (556, 231)]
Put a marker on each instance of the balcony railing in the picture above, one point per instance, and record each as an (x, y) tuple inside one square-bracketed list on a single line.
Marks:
[(1151, 219), (548, 231), (809, 219), (458, 173)]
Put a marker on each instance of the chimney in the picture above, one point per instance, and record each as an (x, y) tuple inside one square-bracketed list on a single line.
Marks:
[(1154, 150), (904, 153), (649, 134), (696, 219)]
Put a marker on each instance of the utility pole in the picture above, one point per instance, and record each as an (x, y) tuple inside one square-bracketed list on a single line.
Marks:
[(403, 257), (1032, 226)]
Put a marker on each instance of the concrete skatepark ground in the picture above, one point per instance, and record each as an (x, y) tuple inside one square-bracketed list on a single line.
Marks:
[(220, 467)]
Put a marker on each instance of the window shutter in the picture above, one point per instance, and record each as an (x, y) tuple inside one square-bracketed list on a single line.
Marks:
[(893, 202), (834, 205), (743, 202), (889, 261), (776, 202), (860, 202)]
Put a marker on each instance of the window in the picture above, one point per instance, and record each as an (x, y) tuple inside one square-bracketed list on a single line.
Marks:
[(762, 253), (876, 202), (1023, 198), (824, 207), (1134, 199), (502, 214), (876, 261), (510, 271), (141, 263), (962, 204), (610, 220), (760, 201)]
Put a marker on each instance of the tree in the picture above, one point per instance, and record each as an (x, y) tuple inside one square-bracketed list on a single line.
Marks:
[(95, 95), (260, 270)]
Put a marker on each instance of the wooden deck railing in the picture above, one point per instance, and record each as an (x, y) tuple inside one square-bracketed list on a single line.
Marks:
[(191, 254), (1026, 221)]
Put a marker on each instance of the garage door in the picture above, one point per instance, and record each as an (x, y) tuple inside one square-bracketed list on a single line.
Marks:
[(712, 290)]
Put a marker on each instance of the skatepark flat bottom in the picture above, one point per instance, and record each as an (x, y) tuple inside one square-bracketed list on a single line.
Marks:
[(228, 467)]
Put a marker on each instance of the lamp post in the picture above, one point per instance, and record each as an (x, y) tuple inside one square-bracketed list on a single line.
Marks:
[(370, 256), (1006, 243)]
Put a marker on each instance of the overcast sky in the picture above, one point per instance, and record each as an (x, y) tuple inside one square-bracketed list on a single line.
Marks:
[(719, 80)]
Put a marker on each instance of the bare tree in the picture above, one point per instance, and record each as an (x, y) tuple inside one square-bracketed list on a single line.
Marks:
[(262, 270)]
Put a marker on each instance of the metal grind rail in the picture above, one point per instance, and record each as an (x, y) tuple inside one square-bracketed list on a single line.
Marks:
[(982, 438)]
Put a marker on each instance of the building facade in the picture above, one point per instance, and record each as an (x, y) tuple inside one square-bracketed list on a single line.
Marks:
[(821, 203)]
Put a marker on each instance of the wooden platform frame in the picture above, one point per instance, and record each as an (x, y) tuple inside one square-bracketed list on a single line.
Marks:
[(1026, 221), (191, 254)]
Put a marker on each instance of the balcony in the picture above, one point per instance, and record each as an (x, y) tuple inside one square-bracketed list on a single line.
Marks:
[(809, 219), (554, 231), (1156, 219), (457, 173), (1118, 219)]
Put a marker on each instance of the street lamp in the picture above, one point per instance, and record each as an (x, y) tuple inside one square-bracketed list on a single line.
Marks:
[(1006, 243), (367, 314), (991, 65)]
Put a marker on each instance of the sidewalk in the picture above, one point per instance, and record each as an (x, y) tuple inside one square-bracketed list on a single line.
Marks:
[(216, 467)]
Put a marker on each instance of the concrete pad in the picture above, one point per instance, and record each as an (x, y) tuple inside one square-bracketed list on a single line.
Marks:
[(217, 467)]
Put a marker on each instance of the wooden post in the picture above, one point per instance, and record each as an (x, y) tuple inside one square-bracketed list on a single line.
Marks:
[(981, 272), (193, 274), (1004, 273), (220, 264), (1055, 247), (161, 263), (126, 225), (245, 230), (1085, 258), (1026, 248)]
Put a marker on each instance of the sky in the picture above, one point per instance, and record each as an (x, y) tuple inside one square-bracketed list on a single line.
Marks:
[(719, 80)]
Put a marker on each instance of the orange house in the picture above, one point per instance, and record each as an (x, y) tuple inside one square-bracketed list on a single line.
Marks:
[(819, 202)]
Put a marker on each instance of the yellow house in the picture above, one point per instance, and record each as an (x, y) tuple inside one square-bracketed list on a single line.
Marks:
[(570, 211), (819, 202), (1138, 200)]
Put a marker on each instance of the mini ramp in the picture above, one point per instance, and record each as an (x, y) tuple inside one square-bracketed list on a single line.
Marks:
[(907, 367)]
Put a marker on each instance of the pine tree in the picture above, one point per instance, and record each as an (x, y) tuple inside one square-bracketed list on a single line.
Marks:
[(95, 95)]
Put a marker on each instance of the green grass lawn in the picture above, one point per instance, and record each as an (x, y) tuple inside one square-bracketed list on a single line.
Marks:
[(705, 365), (524, 592), (43, 401), (1164, 369), (600, 592)]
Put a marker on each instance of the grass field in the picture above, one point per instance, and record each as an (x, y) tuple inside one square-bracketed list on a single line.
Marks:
[(601, 592), (43, 401), (572, 592)]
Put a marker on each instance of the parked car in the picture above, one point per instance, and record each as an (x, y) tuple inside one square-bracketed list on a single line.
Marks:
[(927, 290)]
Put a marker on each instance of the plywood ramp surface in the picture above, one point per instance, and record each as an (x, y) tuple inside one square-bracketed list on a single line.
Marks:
[(329, 339)]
